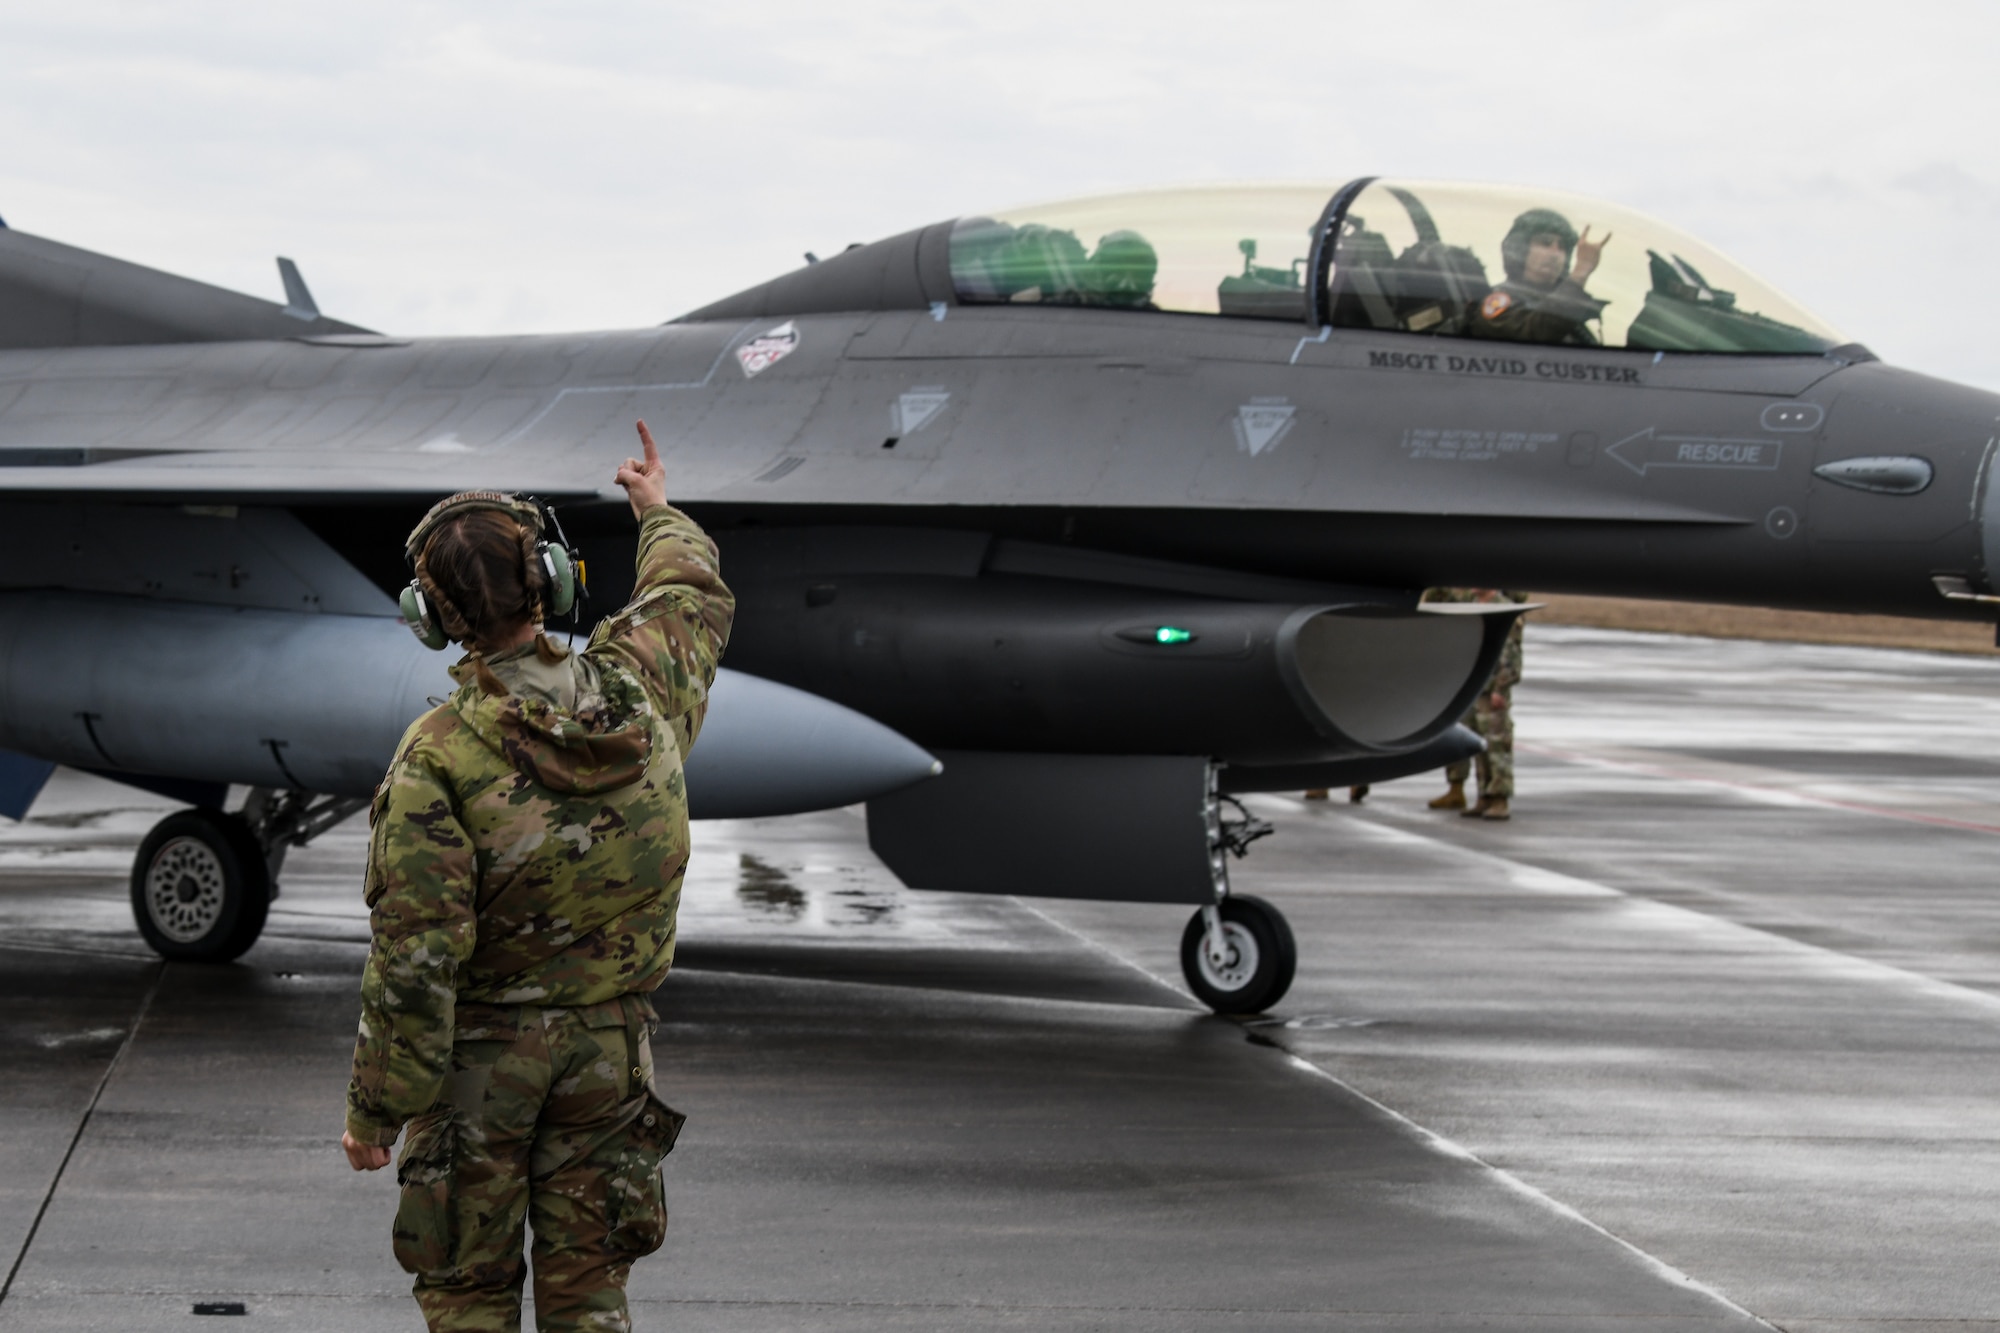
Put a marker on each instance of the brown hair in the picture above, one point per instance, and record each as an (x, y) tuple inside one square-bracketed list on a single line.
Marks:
[(483, 577)]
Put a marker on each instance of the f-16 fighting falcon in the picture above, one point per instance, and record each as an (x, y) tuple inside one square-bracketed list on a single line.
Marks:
[(1053, 529)]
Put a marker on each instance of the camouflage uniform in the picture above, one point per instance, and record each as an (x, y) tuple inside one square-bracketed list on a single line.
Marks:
[(523, 877), (1494, 722)]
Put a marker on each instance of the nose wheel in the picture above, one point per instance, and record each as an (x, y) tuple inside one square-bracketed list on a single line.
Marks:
[(200, 887), (1239, 956)]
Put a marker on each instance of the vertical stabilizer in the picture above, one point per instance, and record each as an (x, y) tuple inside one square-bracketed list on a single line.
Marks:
[(299, 303)]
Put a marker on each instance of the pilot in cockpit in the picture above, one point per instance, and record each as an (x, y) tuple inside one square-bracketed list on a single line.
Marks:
[(1543, 299), (1121, 272)]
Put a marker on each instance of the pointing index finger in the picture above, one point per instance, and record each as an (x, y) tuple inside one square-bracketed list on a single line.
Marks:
[(646, 438)]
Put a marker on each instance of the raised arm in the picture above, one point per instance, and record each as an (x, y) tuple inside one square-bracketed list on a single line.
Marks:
[(673, 631)]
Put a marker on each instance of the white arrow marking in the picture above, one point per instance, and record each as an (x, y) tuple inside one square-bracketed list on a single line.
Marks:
[(1647, 450)]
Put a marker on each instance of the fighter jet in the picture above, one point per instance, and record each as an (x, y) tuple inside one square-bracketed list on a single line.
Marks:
[(1055, 529)]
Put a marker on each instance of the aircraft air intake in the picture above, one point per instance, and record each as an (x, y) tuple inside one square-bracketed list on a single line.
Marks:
[(1384, 679)]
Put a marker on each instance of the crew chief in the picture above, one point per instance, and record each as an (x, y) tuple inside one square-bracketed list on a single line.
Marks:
[(524, 873)]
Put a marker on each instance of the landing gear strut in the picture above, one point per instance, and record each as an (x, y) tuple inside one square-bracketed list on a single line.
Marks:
[(1237, 953), (203, 880)]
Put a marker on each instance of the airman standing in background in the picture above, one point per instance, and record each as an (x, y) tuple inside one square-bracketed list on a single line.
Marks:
[(1492, 716)]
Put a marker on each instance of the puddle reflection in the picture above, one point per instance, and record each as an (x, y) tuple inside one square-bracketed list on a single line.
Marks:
[(767, 890), (813, 894), (868, 906)]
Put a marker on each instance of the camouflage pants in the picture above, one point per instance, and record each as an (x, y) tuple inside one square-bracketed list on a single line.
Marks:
[(1496, 766), (548, 1117)]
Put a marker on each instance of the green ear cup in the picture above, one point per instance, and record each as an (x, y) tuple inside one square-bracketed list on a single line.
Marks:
[(417, 615), (562, 578)]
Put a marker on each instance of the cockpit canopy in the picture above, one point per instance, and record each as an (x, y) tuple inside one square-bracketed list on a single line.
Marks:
[(1423, 257), (1192, 250)]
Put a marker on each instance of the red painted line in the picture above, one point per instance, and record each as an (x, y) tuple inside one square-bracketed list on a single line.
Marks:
[(1855, 807)]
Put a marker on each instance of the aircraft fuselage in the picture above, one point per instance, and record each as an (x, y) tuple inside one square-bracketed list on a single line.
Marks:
[(1351, 457)]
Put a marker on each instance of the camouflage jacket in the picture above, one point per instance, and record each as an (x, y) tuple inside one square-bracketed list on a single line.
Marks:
[(1507, 671), (528, 849)]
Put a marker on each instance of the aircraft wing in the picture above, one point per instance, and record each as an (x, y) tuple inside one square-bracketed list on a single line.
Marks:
[(277, 477)]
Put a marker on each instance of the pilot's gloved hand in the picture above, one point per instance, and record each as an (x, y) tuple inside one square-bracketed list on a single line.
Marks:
[(1588, 252)]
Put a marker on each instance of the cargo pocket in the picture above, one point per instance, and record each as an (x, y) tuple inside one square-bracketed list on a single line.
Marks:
[(426, 1233), (637, 1198)]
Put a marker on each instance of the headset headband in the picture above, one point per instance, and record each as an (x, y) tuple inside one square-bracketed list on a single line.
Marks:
[(526, 511)]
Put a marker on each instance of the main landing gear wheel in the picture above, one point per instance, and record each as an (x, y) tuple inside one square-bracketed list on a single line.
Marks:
[(200, 887), (1250, 968)]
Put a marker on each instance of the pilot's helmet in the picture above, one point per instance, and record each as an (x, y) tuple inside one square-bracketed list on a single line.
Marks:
[(1122, 270), (1041, 264), (1533, 223)]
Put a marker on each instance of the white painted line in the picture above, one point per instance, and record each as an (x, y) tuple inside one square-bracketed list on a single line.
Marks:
[(1651, 912), (1757, 790), (900, 988), (1438, 1143), (1106, 951), (83, 1124)]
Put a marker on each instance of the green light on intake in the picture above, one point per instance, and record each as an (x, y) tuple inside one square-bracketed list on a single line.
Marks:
[(1172, 634)]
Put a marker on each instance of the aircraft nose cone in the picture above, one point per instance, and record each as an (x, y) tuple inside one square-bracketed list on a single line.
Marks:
[(769, 749)]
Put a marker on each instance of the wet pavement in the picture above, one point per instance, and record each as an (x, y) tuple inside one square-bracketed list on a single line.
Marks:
[(1708, 1028)]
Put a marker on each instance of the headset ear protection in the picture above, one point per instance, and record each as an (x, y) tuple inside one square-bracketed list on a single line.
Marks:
[(559, 565), (417, 615)]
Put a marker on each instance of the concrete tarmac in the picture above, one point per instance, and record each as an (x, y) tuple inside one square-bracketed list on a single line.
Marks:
[(1703, 1039)]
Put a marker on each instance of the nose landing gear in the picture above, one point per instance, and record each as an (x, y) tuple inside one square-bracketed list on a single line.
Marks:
[(1239, 956), (1237, 953)]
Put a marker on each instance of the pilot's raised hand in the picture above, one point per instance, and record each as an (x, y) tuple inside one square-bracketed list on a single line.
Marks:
[(1587, 254), (645, 482)]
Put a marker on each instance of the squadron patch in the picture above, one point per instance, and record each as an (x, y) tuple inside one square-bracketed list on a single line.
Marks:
[(767, 349), (1495, 304)]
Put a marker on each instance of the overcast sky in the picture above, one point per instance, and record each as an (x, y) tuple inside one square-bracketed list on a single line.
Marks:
[(502, 167)]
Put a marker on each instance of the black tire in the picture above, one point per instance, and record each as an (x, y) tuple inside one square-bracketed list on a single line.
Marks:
[(1262, 957), (200, 887)]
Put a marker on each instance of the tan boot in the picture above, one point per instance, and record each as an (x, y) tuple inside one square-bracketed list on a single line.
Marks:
[(1495, 808), (1315, 793), (1454, 799), (1477, 810), (1357, 794)]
